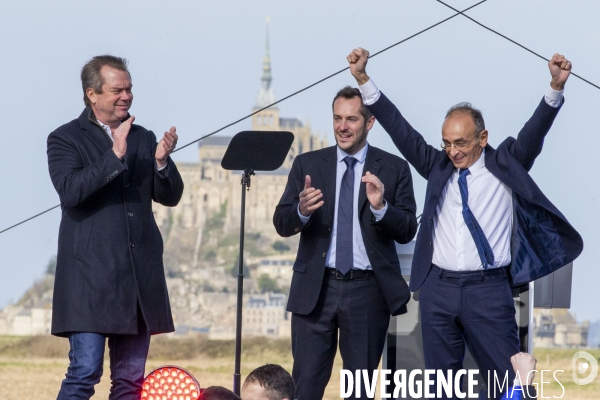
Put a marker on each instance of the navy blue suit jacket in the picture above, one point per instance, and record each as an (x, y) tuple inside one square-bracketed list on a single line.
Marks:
[(398, 224), (542, 238)]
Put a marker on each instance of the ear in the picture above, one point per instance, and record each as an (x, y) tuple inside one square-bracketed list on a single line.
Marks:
[(483, 138), (370, 122), (91, 95)]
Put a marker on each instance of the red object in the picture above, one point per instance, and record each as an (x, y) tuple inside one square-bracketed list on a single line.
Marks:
[(170, 383)]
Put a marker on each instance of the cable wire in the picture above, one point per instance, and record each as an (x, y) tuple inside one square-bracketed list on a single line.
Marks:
[(329, 76), (283, 99), (29, 219), (512, 41)]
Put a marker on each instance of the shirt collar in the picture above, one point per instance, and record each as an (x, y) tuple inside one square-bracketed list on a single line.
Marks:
[(360, 156), (105, 127), (478, 165)]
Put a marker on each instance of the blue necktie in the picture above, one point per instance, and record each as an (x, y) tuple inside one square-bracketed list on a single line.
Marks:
[(344, 259), (483, 247)]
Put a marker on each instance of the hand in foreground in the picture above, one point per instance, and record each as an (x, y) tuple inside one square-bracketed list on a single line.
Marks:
[(165, 147), (120, 137), (524, 363), (375, 190), (560, 69), (358, 65), (309, 198)]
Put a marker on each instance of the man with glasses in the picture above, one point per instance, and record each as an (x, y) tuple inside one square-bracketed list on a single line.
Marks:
[(486, 226)]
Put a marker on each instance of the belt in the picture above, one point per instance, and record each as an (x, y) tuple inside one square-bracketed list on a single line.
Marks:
[(470, 277), (350, 275)]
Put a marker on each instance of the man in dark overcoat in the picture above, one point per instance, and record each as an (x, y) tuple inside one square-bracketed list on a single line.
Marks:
[(110, 280)]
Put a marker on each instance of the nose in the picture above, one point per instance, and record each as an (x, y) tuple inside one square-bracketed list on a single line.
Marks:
[(126, 96), (452, 150)]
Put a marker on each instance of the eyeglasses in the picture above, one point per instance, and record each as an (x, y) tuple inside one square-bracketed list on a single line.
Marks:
[(459, 144)]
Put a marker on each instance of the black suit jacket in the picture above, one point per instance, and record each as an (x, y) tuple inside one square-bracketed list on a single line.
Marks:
[(109, 248), (542, 238), (399, 224)]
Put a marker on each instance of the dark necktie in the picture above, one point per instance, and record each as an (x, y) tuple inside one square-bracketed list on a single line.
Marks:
[(483, 247), (344, 247)]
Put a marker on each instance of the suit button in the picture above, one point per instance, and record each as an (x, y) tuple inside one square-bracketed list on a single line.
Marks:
[(324, 254), (131, 245), (429, 244), (430, 218), (127, 185), (296, 229), (130, 214)]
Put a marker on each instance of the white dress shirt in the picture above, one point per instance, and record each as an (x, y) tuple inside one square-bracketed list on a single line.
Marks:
[(491, 203), (489, 200), (361, 261)]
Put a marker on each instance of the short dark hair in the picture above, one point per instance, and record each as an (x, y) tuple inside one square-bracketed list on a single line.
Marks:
[(218, 393), (467, 108), (91, 76), (277, 382), (349, 92)]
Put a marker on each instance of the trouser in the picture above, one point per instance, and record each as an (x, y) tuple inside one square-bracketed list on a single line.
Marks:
[(128, 355), (475, 308), (356, 308)]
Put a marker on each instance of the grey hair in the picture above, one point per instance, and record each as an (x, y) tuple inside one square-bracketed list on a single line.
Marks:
[(467, 108), (91, 76)]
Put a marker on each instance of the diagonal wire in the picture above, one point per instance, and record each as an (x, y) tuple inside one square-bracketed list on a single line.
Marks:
[(329, 76), (28, 219), (283, 99), (510, 40)]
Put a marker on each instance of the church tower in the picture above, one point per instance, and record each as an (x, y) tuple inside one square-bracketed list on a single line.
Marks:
[(266, 120), (269, 120)]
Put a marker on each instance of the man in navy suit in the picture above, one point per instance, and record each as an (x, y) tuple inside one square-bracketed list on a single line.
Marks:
[(349, 203), (110, 281), (486, 226)]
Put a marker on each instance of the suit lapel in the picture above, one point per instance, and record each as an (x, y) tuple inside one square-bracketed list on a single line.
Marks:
[(94, 132), (372, 165), (328, 169)]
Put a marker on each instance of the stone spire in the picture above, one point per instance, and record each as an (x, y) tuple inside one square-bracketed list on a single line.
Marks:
[(266, 95)]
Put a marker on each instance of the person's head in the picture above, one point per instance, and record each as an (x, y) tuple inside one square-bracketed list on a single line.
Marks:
[(352, 120), (106, 84), (464, 135), (218, 393), (269, 382)]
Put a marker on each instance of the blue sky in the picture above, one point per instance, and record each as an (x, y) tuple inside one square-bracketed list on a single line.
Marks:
[(197, 65)]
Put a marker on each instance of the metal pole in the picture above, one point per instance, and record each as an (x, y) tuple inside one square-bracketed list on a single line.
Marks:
[(238, 324)]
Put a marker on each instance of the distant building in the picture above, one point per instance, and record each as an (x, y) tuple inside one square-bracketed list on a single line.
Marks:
[(277, 267), (558, 328), (27, 321), (265, 315), (210, 190)]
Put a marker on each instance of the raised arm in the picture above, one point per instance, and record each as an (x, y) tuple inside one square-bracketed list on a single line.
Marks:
[(411, 143), (530, 139)]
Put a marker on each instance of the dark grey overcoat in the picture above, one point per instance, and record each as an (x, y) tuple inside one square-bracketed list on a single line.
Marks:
[(110, 250)]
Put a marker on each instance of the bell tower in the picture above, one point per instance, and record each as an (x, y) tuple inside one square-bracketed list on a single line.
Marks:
[(266, 120)]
